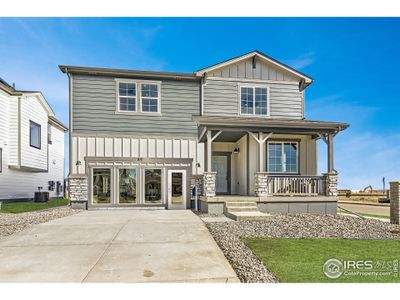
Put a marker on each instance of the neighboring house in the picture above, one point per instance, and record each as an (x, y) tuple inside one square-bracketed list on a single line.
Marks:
[(32, 146), (140, 138)]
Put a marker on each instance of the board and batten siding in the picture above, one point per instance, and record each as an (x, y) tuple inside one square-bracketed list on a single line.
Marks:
[(94, 109), (135, 147), (221, 97), (262, 71)]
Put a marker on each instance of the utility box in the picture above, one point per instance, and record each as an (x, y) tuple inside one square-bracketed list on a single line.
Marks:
[(41, 197)]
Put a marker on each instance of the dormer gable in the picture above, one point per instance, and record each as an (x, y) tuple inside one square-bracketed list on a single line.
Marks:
[(255, 65)]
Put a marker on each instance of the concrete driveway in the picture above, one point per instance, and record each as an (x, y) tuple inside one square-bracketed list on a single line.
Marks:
[(115, 246)]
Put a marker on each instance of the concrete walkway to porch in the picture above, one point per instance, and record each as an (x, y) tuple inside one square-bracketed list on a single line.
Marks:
[(116, 246)]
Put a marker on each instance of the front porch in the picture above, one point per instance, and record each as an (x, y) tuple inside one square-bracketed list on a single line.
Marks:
[(272, 163)]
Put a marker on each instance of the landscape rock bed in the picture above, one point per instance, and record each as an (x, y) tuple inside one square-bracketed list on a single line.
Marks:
[(250, 269), (12, 223)]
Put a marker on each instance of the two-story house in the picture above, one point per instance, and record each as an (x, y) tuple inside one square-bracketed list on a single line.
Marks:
[(32, 146), (236, 130)]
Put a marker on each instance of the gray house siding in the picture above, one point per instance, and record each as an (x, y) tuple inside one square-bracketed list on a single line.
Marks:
[(221, 97), (94, 107)]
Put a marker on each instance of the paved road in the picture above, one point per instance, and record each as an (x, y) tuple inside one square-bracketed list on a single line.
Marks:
[(367, 209), (115, 246)]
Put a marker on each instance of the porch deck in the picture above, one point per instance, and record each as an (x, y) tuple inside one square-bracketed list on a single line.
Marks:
[(219, 205)]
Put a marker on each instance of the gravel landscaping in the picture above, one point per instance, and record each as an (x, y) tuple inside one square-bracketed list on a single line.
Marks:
[(250, 269), (12, 223)]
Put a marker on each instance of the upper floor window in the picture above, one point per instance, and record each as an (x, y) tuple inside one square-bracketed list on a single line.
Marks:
[(138, 96), (35, 135), (254, 101), (127, 96), (283, 157), (49, 138), (149, 97)]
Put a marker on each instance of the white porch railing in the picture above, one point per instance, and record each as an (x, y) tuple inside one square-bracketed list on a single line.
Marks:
[(295, 185)]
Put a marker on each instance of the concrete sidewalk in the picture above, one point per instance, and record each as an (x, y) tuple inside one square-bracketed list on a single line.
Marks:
[(116, 246)]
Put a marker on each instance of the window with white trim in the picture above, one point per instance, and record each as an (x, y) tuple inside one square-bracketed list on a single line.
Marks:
[(49, 136), (149, 97), (254, 101), (127, 96), (35, 135), (283, 157)]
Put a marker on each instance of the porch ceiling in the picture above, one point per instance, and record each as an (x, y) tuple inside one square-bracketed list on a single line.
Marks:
[(233, 128)]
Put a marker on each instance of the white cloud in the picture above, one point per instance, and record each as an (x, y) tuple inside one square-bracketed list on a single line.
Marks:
[(302, 61), (363, 159)]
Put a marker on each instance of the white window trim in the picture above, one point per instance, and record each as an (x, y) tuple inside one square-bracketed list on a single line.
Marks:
[(158, 98), (118, 105), (118, 186), (143, 183), (138, 98), (254, 86), (284, 157)]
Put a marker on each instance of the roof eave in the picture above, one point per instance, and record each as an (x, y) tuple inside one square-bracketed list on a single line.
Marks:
[(54, 121), (126, 73)]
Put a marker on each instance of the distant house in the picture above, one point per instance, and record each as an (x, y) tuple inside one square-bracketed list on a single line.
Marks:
[(32, 145), (235, 129)]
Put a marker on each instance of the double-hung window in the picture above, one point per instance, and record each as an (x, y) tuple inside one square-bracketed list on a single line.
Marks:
[(35, 135), (283, 157), (127, 96), (138, 96), (254, 101), (149, 97)]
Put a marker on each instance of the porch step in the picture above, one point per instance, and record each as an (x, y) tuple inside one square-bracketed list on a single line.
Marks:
[(242, 208), (241, 204), (247, 216)]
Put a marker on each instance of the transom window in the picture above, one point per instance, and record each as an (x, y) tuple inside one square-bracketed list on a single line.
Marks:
[(127, 96), (149, 97), (282, 157), (254, 101), (34, 135)]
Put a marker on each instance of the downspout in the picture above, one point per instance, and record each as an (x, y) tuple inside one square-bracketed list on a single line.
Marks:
[(203, 83)]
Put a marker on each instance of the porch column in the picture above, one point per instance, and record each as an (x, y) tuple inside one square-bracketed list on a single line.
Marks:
[(260, 177), (260, 152), (330, 153), (209, 177), (210, 139), (261, 141), (209, 150)]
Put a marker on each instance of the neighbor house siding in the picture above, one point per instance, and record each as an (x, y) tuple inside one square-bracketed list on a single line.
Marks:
[(221, 97), (14, 183), (94, 109), (32, 110)]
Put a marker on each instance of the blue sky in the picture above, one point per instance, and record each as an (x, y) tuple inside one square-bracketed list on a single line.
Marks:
[(354, 63)]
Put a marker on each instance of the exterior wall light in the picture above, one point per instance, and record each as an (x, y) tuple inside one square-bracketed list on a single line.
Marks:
[(236, 150)]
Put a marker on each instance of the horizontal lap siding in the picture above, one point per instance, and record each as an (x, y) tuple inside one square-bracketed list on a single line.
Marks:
[(94, 106), (221, 97)]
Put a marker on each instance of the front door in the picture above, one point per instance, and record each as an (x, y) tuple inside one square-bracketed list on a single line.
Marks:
[(176, 189), (220, 164)]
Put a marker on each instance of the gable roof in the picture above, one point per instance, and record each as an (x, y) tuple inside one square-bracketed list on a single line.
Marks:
[(12, 91), (261, 56)]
